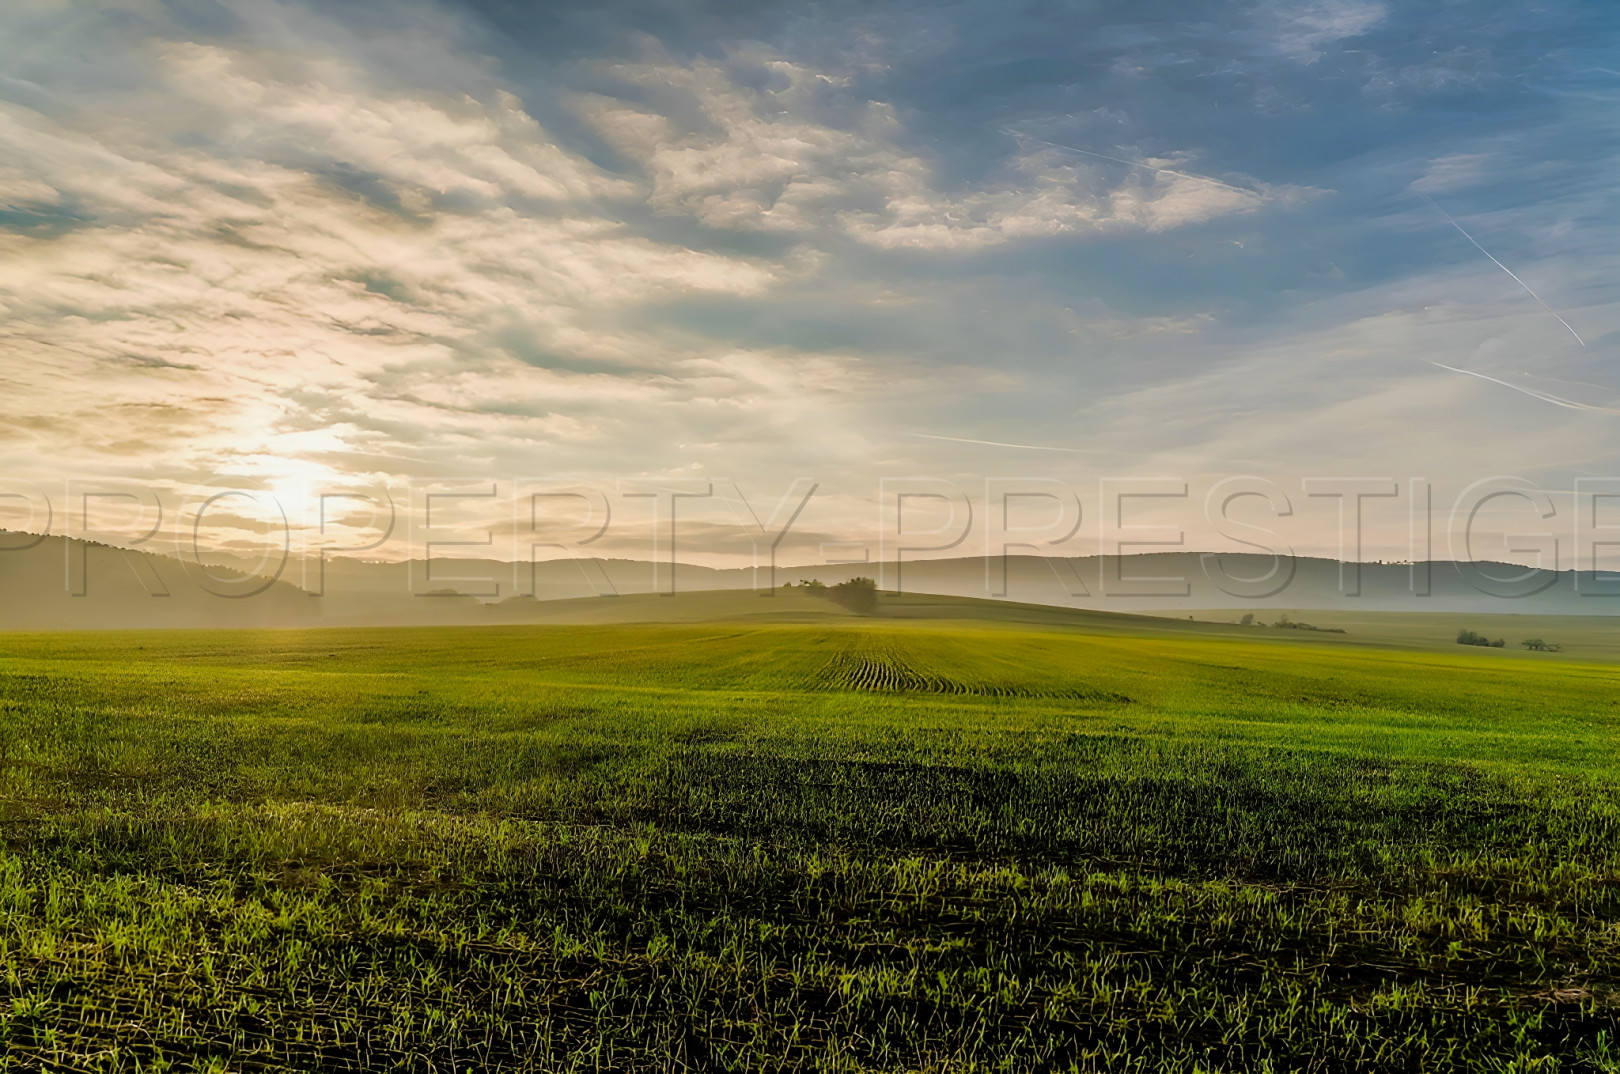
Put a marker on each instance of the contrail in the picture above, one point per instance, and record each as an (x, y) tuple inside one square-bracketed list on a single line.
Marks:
[(998, 443), (1132, 163), (1501, 266), (1545, 397)]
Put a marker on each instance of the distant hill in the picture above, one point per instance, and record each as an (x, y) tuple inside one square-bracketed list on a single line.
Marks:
[(123, 590), (132, 589), (1101, 582)]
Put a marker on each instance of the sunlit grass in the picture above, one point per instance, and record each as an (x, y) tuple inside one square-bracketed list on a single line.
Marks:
[(846, 846)]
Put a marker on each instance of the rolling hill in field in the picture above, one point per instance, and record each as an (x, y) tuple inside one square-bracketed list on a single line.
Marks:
[(63, 584), (757, 845)]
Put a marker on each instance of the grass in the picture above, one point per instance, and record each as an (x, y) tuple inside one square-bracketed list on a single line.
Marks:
[(836, 844), (1585, 638)]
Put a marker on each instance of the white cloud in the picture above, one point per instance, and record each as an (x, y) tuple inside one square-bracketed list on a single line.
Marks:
[(227, 299), (491, 149), (1455, 171), (258, 257), (791, 151), (1302, 30)]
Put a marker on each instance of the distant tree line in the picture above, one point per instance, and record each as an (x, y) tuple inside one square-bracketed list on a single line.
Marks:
[(1289, 624)]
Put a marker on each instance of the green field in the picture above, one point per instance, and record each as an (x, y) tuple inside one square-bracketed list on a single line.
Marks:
[(785, 838)]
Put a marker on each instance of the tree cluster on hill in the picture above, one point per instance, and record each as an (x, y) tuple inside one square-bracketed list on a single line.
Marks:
[(859, 595), (1468, 637), (1539, 646)]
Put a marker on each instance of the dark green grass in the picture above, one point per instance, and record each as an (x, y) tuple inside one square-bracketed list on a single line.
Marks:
[(825, 846)]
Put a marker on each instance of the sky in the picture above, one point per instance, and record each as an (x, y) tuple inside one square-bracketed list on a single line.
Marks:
[(376, 245)]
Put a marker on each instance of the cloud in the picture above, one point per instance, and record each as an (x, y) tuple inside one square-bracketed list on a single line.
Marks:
[(1454, 171), (421, 148), (272, 251), (1302, 30), (291, 239), (373, 242), (758, 143)]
